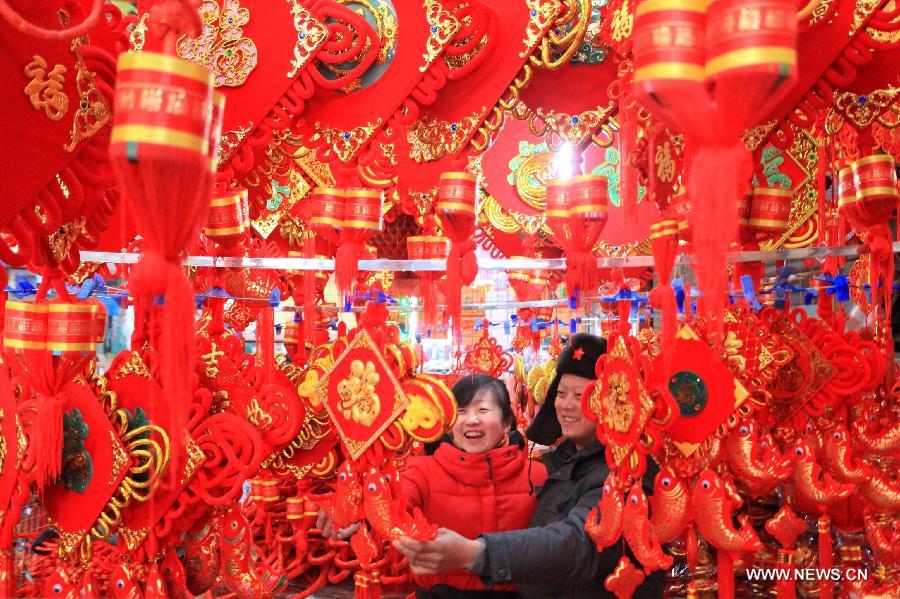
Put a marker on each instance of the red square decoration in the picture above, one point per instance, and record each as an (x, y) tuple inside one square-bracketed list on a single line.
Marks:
[(361, 394)]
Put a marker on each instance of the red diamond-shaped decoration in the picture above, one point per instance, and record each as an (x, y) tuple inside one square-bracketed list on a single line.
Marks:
[(361, 394)]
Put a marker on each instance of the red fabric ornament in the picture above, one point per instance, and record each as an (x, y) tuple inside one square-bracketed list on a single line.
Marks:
[(457, 195), (576, 213), (48, 343), (664, 243), (428, 247), (361, 220), (162, 148)]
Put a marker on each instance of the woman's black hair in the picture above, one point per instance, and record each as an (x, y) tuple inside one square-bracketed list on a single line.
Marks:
[(469, 386), (465, 391)]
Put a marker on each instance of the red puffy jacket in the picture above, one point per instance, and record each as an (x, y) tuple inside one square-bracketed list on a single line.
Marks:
[(472, 494)]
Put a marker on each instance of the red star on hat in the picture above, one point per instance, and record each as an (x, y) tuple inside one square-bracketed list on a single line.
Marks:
[(578, 353)]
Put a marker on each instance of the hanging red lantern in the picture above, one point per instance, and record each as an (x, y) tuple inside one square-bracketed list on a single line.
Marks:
[(48, 344), (161, 149), (225, 219), (427, 247), (751, 59), (770, 211), (576, 213), (875, 182), (245, 206), (328, 212), (457, 194), (293, 341), (361, 220), (848, 202), (680, 210), (670, 60)]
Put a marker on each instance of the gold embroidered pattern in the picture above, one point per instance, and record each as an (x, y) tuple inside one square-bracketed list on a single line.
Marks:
[(21, 441), (622, 22), (211, 361), (432, 139), (45, 90), (230, 140), (863, 111), (134, 365), (318, 171), (310, 35), (617, 409), (61, 240), (138, 35), (442, 26), (345, 144), (258, 416), (862, 11), (755, 135), (133, 538), (665, 164), (93, 109), (359, 401), (560, 128), (541, 15), (120, 458), (221, 46), (195, 458)]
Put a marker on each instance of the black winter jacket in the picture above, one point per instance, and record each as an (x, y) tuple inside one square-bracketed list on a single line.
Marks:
[(555, 557)]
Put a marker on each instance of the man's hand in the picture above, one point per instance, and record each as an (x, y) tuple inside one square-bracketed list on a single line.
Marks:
[(324, 523), (448, 551)]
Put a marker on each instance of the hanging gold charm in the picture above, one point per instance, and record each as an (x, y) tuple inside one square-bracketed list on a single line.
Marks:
[(442, 26), (93, 109), (310, 35)]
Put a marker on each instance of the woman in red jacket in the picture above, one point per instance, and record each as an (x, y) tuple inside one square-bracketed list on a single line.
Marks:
[(476, 483)]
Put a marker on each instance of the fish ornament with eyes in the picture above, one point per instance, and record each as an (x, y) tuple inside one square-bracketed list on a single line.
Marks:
[(712, 505), (670, 505), (344, 504), (238, 569), (605, 527), (814, 489), (884, 539), (387, 514), (760, 468), (884, 441), (122, 585), (639, 535), (837, 456)]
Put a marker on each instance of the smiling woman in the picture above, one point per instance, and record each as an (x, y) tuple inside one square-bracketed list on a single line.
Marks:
[(476, 482), (553, 557)]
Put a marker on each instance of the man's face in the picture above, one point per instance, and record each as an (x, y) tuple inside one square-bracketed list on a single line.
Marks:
[(575, 426)]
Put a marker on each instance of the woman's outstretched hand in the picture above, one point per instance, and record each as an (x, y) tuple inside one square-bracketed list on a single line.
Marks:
[(449, 551)]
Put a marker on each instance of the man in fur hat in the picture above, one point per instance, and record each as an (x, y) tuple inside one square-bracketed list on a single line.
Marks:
[(555, 557)]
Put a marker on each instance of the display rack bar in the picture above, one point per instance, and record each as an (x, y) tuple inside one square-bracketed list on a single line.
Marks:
[(483, 264)]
